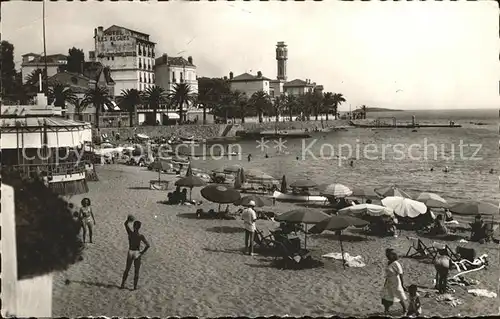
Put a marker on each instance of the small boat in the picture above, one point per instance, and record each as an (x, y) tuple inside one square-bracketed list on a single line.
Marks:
[(290, 197)]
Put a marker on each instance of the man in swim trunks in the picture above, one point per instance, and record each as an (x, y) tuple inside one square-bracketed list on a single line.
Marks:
[(134, 252)]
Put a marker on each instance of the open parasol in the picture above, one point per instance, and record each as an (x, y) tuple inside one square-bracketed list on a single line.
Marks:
[(392, 190), (405, 207), (220, 194), (303, 183), (368, 193), (367, 209), (432, 200), (335, 190), (190, 181), (259, 201), (303, 215), (475, 208)]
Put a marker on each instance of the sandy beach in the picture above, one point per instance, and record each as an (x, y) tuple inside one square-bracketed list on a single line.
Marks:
[(196, 267)]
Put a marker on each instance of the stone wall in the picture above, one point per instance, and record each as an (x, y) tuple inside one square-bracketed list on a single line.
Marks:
[(215, 130)]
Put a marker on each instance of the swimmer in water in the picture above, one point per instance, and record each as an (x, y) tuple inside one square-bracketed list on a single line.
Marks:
[(249, 157), (351, 163), (446, 170), (492, 171), (432, 169), (266, 156), (297, 158)]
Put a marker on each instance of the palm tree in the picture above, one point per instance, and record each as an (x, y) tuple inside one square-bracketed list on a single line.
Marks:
[(154, 97), (327, 103), (61, 94), (180, 95), (205, 99), (291, 103), (130, 98), (338, 99), (239, 103), (32, 80), (279, 105), (98, 97), (261, 102), (79, 108)]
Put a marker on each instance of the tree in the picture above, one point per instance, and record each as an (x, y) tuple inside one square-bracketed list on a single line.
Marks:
[(7, 68), (260, 102), (98, 97), (291, 104), (279, 105), (130, 98), (154, 97), (182, 94), (76, 59), (240, 102), (316, 103), (60, 94), (211, 92), (33, 81), (327, 103), (338, 99)]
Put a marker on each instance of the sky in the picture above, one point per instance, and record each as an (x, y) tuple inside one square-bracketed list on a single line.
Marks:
[(404, 55)]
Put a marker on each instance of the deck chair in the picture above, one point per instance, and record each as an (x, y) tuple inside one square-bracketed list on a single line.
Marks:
[(437, 246), (418, 248), (465, 266), (264, 241)]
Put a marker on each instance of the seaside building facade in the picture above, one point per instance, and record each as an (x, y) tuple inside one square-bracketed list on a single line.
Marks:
[(171, 70), (249, 84), (129, 54), (33, 61)]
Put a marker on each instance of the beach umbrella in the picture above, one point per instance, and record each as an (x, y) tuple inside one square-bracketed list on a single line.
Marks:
[(367, 209), (304, 183), (364, 193), (220, 194), (405, 207), (283, 184), (475, 208), (232, 169), (392, 190), (189, 171), (432, 200), (190, 181), (335, 190), (339, 223), (303, 215), (259, 201), (254, 172)]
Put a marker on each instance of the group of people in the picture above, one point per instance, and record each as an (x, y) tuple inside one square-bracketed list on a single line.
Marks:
[(177, 196)]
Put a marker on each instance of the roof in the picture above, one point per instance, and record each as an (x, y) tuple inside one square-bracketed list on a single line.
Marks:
[(173, 60), (77, 82), (297, 83), (31, 53), (114, 26), (53, 58), (245, 77), (93, 71), (39, 121)]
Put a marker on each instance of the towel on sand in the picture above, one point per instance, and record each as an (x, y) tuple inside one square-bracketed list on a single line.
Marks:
[(350, 261), (482, 293), (449, 299)]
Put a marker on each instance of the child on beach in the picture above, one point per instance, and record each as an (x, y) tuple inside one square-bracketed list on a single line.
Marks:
[(414, 305)]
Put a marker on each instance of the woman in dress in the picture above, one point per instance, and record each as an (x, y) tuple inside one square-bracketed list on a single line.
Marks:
[(86, 218), (394, 290)]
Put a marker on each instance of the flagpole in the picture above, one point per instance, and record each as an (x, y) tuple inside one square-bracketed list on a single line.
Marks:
[(45, 53)]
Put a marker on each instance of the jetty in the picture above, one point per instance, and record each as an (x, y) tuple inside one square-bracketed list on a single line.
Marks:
[(393, 123), (273, 134)]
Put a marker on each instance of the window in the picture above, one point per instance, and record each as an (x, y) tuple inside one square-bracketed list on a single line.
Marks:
[(182, 78), (112, 58), (173, 76), (108, 58)]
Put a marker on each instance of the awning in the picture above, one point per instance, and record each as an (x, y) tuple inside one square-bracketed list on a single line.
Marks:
[(172, 115)]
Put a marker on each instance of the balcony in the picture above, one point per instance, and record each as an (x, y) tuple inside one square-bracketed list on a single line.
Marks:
[(51, 169)]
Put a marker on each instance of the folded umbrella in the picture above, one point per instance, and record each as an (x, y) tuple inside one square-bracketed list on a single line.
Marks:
[(367, 209), (475, 208), (283, 188), (432, 200), (303, 215), (405, 207), (392, 190), (335, 190)]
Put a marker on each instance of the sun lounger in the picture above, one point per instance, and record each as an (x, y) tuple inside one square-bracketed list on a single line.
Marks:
[(264, 241), (466, 266), (418, 248)]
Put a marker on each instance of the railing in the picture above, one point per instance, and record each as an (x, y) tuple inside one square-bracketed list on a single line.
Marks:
[(32, 170)]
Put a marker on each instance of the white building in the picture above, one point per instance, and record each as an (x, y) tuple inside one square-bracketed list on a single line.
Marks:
[(33, 61), (249, 84), (129, 54), (171, 70)]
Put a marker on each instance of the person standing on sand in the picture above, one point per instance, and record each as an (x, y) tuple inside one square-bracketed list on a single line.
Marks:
[(394, 290), (442, 265), (249, 217), (86, 217), (134, 250)]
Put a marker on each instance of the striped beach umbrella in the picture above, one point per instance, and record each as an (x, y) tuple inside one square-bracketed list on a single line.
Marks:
[(432, 200), (335, 190)]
